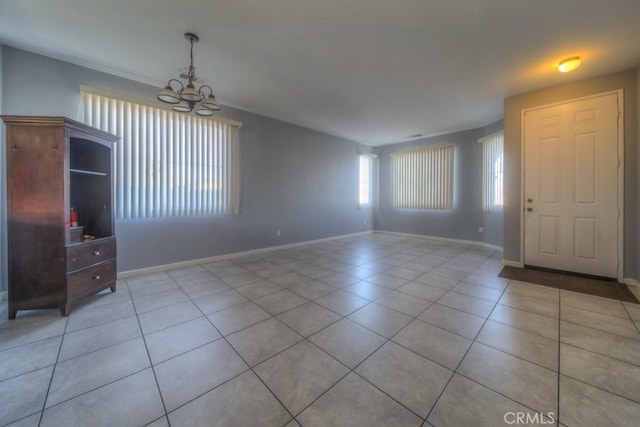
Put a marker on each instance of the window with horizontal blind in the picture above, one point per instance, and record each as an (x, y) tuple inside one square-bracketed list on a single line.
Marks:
[(167, 164), (423, 178), (492, 172)]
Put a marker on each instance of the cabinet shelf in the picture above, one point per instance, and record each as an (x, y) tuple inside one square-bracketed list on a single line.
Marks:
[(85, 172)]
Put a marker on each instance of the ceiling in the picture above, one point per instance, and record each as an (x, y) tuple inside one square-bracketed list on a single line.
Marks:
[(371, 71)]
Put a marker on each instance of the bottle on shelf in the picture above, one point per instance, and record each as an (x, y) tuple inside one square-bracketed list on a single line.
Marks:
[(73, 217)]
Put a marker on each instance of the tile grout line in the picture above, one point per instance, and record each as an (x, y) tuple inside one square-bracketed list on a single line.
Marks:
[(87, 391), (342, 317), (153, 370), (104, 323), (53, 372), (350, 370), (353, 370), (637, 365), (222, 337), (455, 371), (385, 343), (522, 330), (559, 355), (97, 388), (637, 402), (32, 370), (100, 349), (603, 354), (306, 260), (251, 368), (631, 318), (388, 340), (527, 309), (572, 307)]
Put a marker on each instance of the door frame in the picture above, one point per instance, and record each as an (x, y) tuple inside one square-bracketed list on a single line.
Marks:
[(620, 93)]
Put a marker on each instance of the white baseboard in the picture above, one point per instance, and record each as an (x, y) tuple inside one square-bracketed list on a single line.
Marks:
[(443, 239), (509, 263), (4, 295), (192, 262)]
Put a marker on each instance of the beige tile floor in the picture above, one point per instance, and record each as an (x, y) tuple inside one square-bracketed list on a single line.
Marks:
[(361, 331)]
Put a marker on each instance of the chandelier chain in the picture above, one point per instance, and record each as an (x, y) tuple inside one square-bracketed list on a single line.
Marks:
[(192, 70)]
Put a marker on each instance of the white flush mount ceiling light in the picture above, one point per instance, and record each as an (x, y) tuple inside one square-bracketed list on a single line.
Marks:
[(569, 64), (185, 99)]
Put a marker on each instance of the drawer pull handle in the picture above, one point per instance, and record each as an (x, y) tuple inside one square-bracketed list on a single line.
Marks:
[(96, 277), (96, 253)]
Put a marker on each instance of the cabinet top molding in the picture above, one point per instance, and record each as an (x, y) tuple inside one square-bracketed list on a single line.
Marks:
[(57, 121)]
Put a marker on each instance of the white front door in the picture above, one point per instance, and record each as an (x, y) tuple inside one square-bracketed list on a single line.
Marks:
[(571, 186)]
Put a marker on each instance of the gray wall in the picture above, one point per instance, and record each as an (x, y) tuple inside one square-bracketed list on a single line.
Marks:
[(292, 178), (627, 81), (464, 221)]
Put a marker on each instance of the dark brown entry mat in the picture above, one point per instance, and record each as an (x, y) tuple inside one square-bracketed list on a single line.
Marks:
[(568, 282)]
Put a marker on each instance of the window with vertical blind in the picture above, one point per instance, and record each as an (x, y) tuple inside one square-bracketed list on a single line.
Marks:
[(167, 164), (492, 172), (423, 178)]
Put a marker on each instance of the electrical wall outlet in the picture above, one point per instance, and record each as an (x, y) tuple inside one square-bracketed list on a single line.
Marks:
[(481, 229), (277, 232)]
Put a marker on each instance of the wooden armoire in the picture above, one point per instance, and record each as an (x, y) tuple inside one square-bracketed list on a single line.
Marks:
[(55, 164)]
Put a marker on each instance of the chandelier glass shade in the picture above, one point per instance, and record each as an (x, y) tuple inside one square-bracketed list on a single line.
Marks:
[(186, 98)]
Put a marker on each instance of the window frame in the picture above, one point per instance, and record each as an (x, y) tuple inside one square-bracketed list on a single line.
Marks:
[(370, 159), (167, 164), (412, 178), (492, 172)]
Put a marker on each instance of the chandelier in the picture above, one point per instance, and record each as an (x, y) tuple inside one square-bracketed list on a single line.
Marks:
[(186, 99)]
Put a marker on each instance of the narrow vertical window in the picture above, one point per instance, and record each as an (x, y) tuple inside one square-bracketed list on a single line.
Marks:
[(364, 198), (492, 172)]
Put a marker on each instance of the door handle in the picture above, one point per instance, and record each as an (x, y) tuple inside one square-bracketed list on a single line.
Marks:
[(529, 209)]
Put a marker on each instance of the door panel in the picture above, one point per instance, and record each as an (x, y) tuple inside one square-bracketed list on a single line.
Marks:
[(586, 245), (571, 186), (549, 166), (549, 243), (586, 169)]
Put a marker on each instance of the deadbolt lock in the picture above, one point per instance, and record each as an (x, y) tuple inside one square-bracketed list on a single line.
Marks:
[(529, 200)]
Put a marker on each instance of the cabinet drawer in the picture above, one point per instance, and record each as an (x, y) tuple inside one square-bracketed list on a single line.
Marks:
[(87, 254), (85, 281)]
